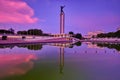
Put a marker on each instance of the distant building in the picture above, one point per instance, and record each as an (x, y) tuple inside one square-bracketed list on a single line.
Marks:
[(92, 34), (118, 28)]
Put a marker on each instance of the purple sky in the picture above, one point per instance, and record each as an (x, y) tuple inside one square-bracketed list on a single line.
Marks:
[(81, 16)]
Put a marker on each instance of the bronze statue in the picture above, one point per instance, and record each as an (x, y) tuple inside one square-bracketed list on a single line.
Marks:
[(62, 8)]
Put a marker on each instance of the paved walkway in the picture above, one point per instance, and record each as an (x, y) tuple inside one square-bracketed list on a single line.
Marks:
[(22, 41), (101, 41)]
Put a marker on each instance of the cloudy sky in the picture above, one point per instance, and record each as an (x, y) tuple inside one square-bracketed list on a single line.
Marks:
[(81, 16)]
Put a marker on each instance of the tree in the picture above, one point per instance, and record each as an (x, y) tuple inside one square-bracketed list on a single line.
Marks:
[(109, 35), (35, 32), (117, 34), (78, 43), (102, 35), (22, 32), (71, 32), (31, 32), (78, 35), (35, 47), (11, 30), (2, 31)]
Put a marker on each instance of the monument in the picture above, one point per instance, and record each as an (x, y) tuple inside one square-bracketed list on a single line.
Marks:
[(62, 20)]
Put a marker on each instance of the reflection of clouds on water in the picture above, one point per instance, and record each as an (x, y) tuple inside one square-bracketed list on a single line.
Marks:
[(17, 64)]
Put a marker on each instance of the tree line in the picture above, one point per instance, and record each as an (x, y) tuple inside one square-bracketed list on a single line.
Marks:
[(110, 46), (10, 31), (77, 35), (109, 35), (31, 32), (28, 46), (24, 32), (37, 32)]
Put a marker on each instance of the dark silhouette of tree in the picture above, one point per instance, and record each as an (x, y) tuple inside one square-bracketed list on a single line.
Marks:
[(31, 46), (35, 47), (110, 46), (22, 32), (78, 35), (2, 31), (109, 35), (31, 32), (117, 34), (71, 32), (35, 32), (102, 35), (7, 46), (78, 43)]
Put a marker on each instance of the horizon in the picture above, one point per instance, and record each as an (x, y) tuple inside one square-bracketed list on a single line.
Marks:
[(81, 16)]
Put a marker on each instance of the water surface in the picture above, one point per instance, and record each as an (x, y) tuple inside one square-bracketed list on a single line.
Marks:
[(81, 61)]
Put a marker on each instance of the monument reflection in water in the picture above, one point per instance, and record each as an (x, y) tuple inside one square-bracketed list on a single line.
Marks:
[(61, 59)]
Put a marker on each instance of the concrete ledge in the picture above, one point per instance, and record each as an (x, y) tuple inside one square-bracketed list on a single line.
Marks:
[(24, 41)]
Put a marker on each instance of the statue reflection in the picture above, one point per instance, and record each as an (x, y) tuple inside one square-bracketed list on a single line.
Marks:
[(61, 47), (61, 63)]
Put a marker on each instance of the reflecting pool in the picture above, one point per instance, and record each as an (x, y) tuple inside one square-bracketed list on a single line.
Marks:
[(60, 61)]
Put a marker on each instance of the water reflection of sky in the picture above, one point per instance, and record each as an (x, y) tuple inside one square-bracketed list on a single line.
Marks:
[(99, 64), (80, 62)]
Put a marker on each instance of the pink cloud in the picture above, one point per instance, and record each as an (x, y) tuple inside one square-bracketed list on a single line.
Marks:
[(16, 11)]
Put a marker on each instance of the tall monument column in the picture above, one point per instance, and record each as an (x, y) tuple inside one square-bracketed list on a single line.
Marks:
[(62, 20)]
